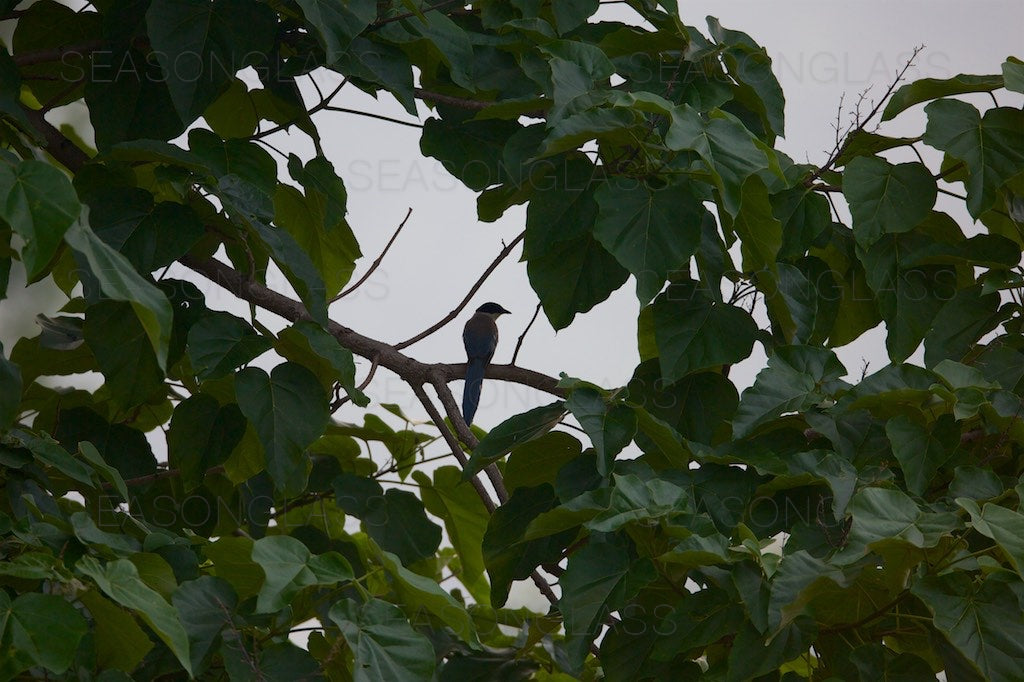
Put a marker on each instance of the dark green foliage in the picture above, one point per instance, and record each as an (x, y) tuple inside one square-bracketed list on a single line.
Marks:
[(819, 525)]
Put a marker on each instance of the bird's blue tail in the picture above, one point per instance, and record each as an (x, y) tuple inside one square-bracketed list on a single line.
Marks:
[(471, 391)]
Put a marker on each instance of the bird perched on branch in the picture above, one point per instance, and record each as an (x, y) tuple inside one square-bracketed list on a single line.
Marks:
[(480, 337)]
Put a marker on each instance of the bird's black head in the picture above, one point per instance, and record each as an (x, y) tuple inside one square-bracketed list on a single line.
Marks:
[(492, 309)]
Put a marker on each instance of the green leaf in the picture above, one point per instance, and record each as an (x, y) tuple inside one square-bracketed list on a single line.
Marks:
[(451, 499), (576, 67), (797, 580), (651, 232), (925, 89), (809, 289), (289, 411), (920, 449), (124, 448), (151, 235), (611, 427), (695, 406), (120, 581), (202, 435), (571, 13), (694, 333), (50, 452), (981, 619), (1003, 525), (330, 360), (419, 593), (512, 432), (232, 557), (1013, 74), (796, 378), (592, 586), (289, 567), (298, 267), (219, 343), (205, 607), (234, 113), (507, 555), (606, 125), (964, 318), (749, 63), (805, 217), (317, 220), (724, 144), (123, 352), (469, 150), (39, 203), (385, 646), (865, 143), (109, 473), (886, 199), (909, 299), (889, 520), (120, 643), (10, 390), (337, 23), (539, 461), (573, 276), (119, 280), (201, 45), (89, 533), (395, 519), (570, 271), (46, 628), (128, 98), (380, 64), (992, 146)]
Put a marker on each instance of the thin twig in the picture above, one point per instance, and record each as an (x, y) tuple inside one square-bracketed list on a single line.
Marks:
[(369, 114), (519, 342), (469, 296), (323, 104), (377, 262), (860, 124), (453, 443)]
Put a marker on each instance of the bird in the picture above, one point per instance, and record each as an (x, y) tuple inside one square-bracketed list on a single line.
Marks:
[(480, 336)]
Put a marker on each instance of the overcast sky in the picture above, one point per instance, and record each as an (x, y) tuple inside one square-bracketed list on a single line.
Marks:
[(821, 51)]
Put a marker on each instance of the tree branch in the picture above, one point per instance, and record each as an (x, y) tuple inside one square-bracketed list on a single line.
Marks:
[(377, 262), (389, 356), (453, 443), (58, 146), (519, 342), (469, 296), (859, 124)]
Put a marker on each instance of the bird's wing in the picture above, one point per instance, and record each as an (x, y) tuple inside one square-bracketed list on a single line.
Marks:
[(480, 338)]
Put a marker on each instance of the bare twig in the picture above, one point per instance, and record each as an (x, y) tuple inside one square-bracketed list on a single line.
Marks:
[(469, 296), (859, 123), (376, 263), (322, 104), (370, 114), (519, 341)]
